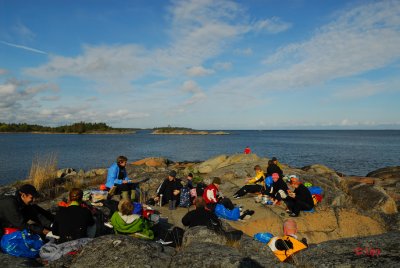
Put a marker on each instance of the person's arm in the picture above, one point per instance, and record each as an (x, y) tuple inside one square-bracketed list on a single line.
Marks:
[(112, 174), (258, 177)]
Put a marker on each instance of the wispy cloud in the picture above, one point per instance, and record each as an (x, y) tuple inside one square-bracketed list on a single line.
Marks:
[(273, 25), (199, 71), (24, 47)]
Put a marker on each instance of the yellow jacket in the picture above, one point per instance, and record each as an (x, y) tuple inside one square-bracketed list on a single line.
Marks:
[(282, 255), (259, 176)]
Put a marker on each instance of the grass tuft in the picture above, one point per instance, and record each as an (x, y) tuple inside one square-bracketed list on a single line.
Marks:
[(43, 171)]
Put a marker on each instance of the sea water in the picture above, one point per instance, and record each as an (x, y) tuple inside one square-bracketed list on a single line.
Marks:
[(353, 152)]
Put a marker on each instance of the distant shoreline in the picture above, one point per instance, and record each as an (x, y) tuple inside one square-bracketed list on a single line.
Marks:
[(73, 133)]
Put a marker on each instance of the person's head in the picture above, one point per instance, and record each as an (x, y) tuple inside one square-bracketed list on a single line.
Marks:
[(275, 177), (257, 168), (190, 176), (125, 207), (199, 202), (289, 227), (28, 193), (172, 175), (121, 160), (216, 181), (75, 194), (274, 160), (295, 182)]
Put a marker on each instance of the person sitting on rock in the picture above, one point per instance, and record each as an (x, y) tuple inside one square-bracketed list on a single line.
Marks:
[(125, 222), (16, 211), (299, 199), (274, 167), (117, 176), (212, 196), (278, 190), (254, 185), (286, 246), (200, 216), (170, 190), (73, 222), (189, 181)]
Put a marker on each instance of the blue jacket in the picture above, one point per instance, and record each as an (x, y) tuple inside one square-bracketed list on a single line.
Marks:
[(112, 176)]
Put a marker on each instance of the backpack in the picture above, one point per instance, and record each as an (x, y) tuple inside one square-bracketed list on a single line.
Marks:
[(21, 244), (184, 200), (200, 188)]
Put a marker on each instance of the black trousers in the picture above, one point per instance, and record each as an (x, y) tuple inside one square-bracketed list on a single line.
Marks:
[(297, 205), (251, 188), (226, 202), (40, 216)]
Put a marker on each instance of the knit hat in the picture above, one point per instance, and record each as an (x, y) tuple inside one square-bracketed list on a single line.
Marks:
[(29, 189), (172, 173), (216, 180)]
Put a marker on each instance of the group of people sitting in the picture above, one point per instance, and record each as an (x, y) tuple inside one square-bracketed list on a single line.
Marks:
[(76, 219), (296, 196)]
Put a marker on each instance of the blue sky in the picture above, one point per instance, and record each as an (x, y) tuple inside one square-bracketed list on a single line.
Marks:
[(250, 64)]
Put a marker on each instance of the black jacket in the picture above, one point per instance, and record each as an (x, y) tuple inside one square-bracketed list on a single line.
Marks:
[(199, 217), (304, 195), (14, 213), (72, 222), (167, 188), (278, 185), (271, 169)]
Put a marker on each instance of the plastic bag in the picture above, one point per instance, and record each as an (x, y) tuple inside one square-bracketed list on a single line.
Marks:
[(227, 214), (21, 244), (263, 237)]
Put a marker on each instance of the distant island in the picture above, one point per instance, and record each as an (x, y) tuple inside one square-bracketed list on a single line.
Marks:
[(76, 128), (184, 131)]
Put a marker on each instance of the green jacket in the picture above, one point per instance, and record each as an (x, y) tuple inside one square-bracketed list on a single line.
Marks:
[(137, 226)]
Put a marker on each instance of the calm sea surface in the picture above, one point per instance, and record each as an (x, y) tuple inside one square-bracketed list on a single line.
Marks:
[(353, 152)]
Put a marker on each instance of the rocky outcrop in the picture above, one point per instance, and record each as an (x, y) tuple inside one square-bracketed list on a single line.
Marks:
[(152, 162), (372, 251)]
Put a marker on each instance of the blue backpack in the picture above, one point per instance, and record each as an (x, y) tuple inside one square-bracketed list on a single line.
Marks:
[(184, 200), (268, 181)]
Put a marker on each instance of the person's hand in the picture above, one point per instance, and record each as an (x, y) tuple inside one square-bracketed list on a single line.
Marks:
[(176, 192), (291, 194), (45, 231), (124, 181)]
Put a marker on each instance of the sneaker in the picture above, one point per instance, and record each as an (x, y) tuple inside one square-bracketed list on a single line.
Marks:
[(293, 215), (236, 197), (288, 211)]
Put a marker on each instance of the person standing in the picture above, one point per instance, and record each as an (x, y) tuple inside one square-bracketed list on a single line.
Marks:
[(273, 167), (247, 150)]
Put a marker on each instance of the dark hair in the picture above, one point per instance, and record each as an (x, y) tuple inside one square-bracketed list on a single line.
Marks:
[(121, 158), (199, 202), (75, 194), (190, 175)]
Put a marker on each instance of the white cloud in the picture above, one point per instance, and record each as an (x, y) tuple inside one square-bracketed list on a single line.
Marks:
[(273, 25), (360, 39), (196, 92), (199, 71), (23, 47)]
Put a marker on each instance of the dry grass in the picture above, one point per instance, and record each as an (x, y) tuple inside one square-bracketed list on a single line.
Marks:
[(43, 171)]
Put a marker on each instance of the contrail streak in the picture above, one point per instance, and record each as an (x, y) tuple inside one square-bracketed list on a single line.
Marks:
[(23, 47)]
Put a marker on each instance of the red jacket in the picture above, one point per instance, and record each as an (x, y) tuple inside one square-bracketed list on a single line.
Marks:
[(210, 194)]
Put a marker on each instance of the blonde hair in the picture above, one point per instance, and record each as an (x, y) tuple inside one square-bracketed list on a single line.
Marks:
[(125, 207)]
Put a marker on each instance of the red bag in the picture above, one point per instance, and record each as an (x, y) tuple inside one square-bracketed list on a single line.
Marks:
[(10, 230), (147, 212)]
